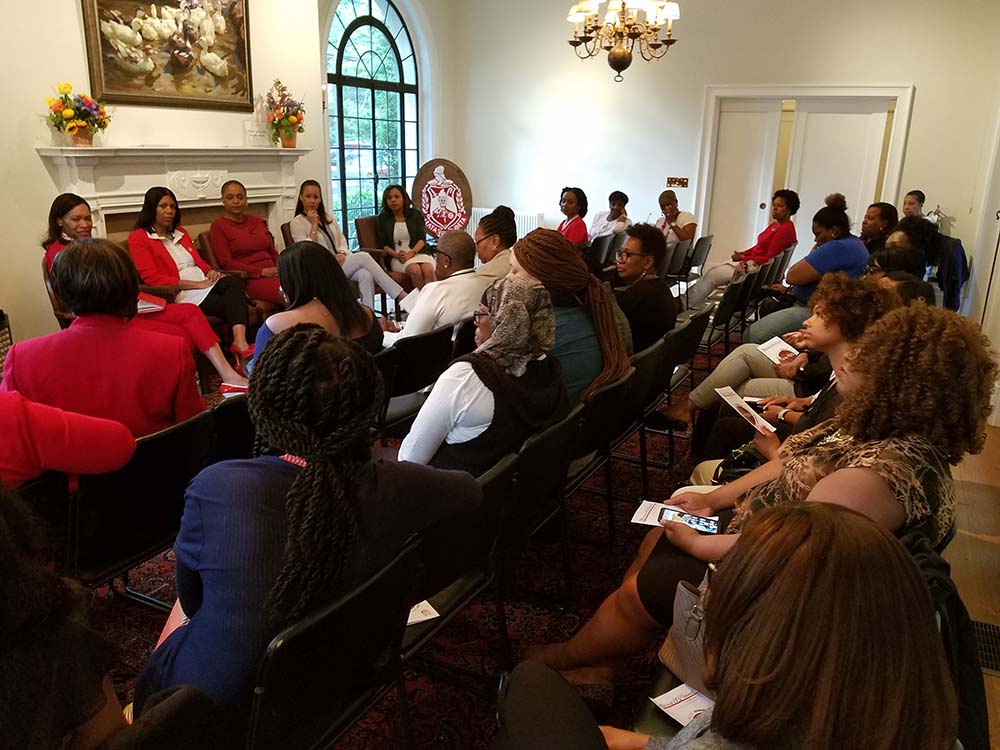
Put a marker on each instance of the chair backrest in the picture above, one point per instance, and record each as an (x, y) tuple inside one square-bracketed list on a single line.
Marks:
[(600, 249), (689, 337), (421, 360), (543, 462), (499, 497), (678, 258), (234, 433), (465, 338), (206, 250), (701, 250), (367, 232), (616, 244), (730, 304), (645, 383), (786, 258), (319, 675), (605, 414), (748, 288), (63, 316), (286, 234), (773, 267), (115, 521)]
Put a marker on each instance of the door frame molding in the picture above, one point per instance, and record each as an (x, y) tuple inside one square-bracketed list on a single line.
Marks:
[(716, 93)]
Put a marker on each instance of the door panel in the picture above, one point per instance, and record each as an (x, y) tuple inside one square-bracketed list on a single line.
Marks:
[(745, 150)]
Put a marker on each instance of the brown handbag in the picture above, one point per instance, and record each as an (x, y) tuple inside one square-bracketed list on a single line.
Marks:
[(683, 650)]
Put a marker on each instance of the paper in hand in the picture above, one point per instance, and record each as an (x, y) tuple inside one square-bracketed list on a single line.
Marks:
[(778, 350), (683, 704), (732, 398), (410, 300)]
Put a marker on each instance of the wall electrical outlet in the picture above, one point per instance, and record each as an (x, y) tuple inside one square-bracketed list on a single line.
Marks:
[(678, 182)]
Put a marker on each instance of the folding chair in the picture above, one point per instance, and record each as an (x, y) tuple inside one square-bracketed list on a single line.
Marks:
[(420, 360)]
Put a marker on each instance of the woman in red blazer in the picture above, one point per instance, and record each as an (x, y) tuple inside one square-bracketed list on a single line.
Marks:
[(38, 438), (164, 255), (70, 219), (103, 366)]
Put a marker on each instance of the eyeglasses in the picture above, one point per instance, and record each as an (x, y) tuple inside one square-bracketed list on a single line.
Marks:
[(480, 314), (483, 239), (625, 255)]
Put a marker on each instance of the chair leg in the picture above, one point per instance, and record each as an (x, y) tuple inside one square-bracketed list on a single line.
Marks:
[(567, 564), (643, 466), (406, 723), (506, 652), (137, 596)]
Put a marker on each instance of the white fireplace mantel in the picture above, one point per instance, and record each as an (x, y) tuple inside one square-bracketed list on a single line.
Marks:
[(115, 179)]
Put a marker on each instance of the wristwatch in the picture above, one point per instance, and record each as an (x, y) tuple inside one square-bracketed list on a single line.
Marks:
[(782, 413)]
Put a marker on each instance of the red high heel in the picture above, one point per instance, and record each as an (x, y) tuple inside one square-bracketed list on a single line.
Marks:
[(242, 353)]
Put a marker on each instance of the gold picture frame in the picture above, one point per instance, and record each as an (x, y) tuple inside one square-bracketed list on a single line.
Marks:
[(172, 54)]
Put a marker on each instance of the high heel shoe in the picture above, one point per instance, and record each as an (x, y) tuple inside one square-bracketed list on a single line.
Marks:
[(242, 353)]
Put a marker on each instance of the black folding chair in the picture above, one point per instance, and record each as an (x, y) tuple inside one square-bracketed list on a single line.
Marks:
[(695, 259), (420, 360), (465, 338), (113, 522), (234, 433), (499, 500), (326, 671), (733, 302), (674, 260)]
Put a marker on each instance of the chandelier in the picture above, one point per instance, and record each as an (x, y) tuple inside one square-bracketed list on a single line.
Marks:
[(622, 30)]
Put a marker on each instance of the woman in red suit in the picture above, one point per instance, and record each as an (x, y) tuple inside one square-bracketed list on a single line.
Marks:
[(101, 365), (70, 219), (164, 254), (38, 438), (242, 243), (573, 204)]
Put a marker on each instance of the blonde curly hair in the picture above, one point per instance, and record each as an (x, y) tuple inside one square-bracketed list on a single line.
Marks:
[(923, 371)]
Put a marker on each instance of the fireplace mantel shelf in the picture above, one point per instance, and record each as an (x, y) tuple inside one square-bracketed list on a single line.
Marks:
[(169, 152)]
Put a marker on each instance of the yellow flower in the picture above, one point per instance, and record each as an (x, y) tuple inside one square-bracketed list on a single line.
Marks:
[(71, 129), (293, 119), (64, 88), (50, 101), (68, 113)]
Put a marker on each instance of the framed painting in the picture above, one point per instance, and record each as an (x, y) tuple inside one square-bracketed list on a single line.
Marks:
[(177, 53)]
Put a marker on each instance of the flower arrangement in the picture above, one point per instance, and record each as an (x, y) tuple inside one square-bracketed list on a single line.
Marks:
[(77, 115), (285, 115)]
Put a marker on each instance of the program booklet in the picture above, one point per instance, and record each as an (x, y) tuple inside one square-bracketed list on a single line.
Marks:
[(778, 350), (683, 704), (732, 398)]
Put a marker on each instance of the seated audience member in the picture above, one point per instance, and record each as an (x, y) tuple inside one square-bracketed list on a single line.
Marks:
[(573, 205), (886, 454), (793, 612), (312, 223), (403, 236), (488, 402), (880, 219), (70, 219), (592, 334), (898, 257), (643, 296), (103, 366), (836, 249), (612, 221), (920, 234), (266, 541), (39, 438), (454, 297), (164, 255), (841, 309), (777, 237), (910, 288), (495, 235), (913, 204), (318, 293), (241, 242), (676, 225)]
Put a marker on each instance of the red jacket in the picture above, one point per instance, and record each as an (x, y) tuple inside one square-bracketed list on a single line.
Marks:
[(104, 367), (155, 266), (37, 438), (243, 247), (775, 238)]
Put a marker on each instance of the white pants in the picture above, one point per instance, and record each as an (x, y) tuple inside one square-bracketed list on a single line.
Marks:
[(362, 268), (712, 277)]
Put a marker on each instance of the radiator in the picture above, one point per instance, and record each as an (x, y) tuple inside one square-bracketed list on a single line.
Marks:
[(525, 220)]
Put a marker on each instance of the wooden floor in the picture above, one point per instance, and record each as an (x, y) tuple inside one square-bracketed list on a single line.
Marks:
[(974, 554)]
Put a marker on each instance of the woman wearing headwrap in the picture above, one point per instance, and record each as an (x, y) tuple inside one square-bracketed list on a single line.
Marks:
[(593, 339), (487, 403)]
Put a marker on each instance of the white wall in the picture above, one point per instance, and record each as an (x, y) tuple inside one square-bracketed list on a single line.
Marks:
[(534, 118), (280, 47)]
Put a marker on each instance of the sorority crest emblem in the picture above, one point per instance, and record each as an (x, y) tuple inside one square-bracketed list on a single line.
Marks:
[(445, 196)]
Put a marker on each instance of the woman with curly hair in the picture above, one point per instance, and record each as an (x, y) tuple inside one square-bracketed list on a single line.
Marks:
[(885, 454), (842, 308), (267, 540)]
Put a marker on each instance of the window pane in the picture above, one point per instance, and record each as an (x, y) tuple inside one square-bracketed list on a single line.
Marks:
[(352, 163), (332, 100), (411, 162), (350, 132), (379, 9), (393, 22), (367, 160), (409, 70), (411, 134), (382, 103), (365, 102), (410, 106), (335, 198), (403, 43), (331, 59), (351, 56), (387, 134), (334, 134), (337, 29), (388, 165)]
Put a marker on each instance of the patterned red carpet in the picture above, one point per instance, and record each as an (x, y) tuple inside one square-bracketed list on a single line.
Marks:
[(445, 716)]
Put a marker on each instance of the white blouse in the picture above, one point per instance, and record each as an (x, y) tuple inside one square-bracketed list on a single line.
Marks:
[(300, 227)]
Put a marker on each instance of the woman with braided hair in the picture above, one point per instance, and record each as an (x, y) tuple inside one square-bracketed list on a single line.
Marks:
[(265, 541), (488, 402), (593, 339)]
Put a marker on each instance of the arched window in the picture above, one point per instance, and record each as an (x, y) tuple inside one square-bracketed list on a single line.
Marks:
[(372, 105)]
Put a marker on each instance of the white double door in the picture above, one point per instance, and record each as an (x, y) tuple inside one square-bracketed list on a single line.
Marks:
[(836, 145)]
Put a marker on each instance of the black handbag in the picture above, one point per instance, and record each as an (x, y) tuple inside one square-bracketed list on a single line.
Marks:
[(741, 461)]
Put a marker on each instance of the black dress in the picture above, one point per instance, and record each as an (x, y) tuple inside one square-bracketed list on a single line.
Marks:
[(649, 306)]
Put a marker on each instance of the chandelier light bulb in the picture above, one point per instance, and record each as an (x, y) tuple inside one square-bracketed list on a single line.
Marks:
[(575, 15)]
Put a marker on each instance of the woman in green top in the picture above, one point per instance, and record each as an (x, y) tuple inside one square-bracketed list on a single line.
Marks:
[(403, 236)]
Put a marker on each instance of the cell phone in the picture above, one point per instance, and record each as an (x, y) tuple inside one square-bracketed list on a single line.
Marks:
[(701, 524)]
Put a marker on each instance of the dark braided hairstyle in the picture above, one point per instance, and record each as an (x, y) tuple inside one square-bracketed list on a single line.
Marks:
[(315, 396)]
